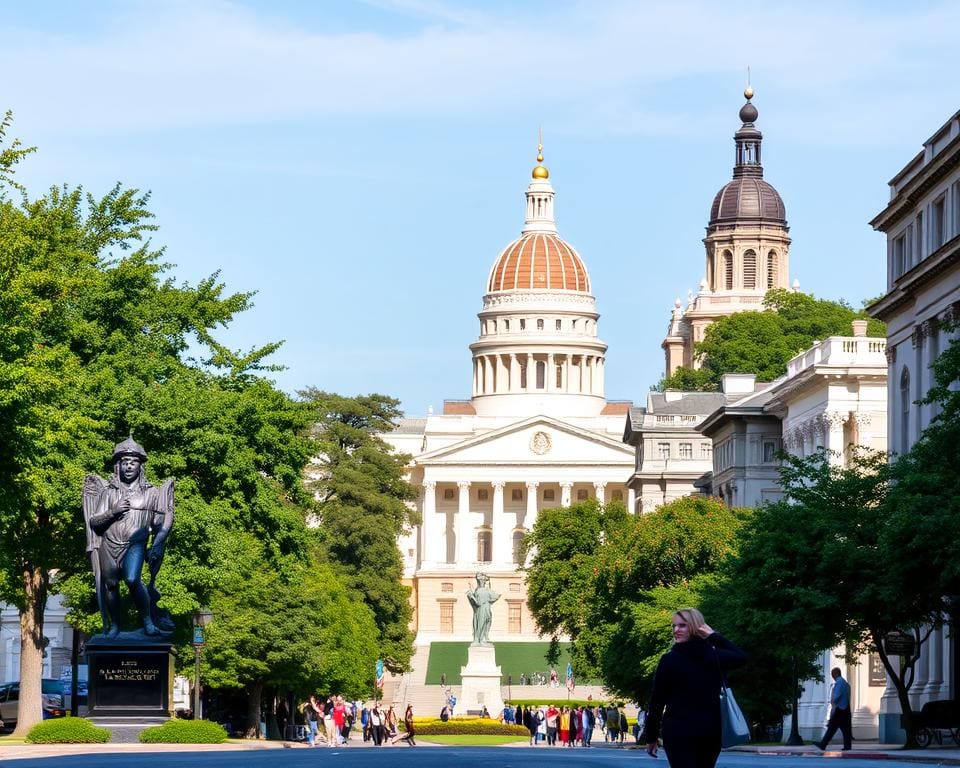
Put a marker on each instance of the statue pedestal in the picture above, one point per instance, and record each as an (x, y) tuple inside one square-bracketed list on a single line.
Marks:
[(130, 679), (480, 685)]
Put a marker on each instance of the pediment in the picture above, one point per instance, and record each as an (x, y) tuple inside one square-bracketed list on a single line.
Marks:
[(538, 440)]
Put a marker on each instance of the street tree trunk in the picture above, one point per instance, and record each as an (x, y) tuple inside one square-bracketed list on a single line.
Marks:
[(904, 680), (36, 582), (254, 694)]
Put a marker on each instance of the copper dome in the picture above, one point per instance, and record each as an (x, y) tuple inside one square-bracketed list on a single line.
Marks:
[(748, 198), (539, 261)]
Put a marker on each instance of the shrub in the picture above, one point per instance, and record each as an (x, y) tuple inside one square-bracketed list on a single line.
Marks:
[(67, 730), (184, 732)]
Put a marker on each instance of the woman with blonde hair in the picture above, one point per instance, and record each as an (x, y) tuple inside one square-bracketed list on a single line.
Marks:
[(687, 685)]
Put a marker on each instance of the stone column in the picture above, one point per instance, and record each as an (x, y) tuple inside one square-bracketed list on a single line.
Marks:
[(531, 516), (487, 375), (864, 422), (429, 535), (503, 375), (566, 491), (832, 426), (500, 532), (531, 374), (600, 489), (600, 376), (464, 539), (631, 501), (550, 380), (514, 373), (566, 372)]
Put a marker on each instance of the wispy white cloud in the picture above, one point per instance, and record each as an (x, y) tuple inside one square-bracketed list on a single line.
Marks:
[(595, 67)]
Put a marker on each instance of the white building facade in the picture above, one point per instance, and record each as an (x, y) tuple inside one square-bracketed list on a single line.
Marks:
[(921, 306), (537, 433), (833, 396)]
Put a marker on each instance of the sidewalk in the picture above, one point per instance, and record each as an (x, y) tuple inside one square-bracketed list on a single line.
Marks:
[(862, 750)]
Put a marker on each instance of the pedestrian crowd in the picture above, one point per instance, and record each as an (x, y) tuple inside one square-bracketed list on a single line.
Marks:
[(574, 725), (329, 722)]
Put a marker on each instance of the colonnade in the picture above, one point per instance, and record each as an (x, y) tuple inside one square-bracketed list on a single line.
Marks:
[(517, 372), (504, 523)]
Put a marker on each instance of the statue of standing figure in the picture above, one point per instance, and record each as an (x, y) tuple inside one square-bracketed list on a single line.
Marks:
[(481, 599), (123, 515)]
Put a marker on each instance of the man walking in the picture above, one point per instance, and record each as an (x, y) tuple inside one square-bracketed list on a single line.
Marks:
[(839, 712)]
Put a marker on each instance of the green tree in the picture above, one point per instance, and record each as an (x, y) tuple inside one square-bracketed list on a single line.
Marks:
[(836, 553), (364, 507), (93, 338), (763, 342)]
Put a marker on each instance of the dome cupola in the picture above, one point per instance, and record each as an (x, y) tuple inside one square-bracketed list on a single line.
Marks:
[(747, 198)]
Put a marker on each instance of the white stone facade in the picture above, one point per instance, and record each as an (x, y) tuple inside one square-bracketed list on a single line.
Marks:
[(834, 396), (536, 434), (922, 226)]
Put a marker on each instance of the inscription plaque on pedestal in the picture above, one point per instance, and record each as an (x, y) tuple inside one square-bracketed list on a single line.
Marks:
[(131, 680)]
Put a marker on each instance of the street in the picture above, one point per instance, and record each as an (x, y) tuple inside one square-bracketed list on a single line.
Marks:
[(424, 757)]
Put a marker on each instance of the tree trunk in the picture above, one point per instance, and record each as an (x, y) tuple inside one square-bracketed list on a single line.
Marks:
[(273, 727), (254, 694), (30, 710), (908, 717)]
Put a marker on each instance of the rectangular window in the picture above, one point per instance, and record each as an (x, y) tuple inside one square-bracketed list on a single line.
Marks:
[(956, 209), (617, 495), (920, 251), (446, 618), (448, 493), (446, 586), (581, 494), (506, 325), (769, 451), (514, 586), (938, 223), (908, 259), (548, 494), (559, 325), (482, 494), (516, 494), (706, 450), (523, 324), (484, 547), (686, 450), (513, 618), (663, 450), (899, 254)]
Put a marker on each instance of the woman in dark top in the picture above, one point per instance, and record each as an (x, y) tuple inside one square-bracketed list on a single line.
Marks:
[(687, 685)]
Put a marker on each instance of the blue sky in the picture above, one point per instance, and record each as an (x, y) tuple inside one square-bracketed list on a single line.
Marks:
[(361, 164)]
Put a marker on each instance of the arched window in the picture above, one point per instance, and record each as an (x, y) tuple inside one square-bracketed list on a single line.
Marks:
[(517, 540), (541, 374), (750, 269), (728, 270), (772, 268), (904, 409), (484, 547)]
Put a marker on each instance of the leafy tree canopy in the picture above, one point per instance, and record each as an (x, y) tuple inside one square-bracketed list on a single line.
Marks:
[(762, 342), (364, 507)]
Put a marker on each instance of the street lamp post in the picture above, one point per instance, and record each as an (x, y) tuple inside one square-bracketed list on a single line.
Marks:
[(201, 618)]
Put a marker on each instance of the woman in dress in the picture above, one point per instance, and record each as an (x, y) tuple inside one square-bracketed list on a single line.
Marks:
[(687, 685), (408, 724)]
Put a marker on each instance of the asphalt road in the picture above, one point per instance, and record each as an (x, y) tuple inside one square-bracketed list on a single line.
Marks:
[(426, 757)]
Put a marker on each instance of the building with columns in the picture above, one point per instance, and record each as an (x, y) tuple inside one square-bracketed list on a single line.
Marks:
[(747, 248), (537, 433), (834, 395), (921, 309)]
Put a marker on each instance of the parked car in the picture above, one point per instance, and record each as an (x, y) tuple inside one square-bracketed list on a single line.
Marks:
[(51, 695)]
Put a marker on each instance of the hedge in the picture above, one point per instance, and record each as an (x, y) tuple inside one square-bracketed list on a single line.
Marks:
[(466, 726), (184, 732), (67, 730)]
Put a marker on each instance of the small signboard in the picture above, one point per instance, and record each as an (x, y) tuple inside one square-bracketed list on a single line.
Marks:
[(197, 634), (899, 644)]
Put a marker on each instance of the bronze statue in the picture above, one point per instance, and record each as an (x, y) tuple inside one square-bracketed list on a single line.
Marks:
[(481, 599), (124, 514)]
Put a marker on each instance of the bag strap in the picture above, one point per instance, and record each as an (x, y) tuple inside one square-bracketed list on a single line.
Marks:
[(723, 678)]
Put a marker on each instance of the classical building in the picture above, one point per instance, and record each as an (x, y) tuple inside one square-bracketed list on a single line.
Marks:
[(834, 395), (921, 308), (747, 248), (671, 458), (537, 433)]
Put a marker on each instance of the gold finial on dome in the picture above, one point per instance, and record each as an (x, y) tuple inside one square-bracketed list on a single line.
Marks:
[(748, 92), (540, 172)]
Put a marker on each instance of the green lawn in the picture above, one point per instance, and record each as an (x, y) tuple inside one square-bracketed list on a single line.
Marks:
[(514, 659), (471, 740)]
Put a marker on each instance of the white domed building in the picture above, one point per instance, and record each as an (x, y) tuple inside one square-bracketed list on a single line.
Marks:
[(537, 433)]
